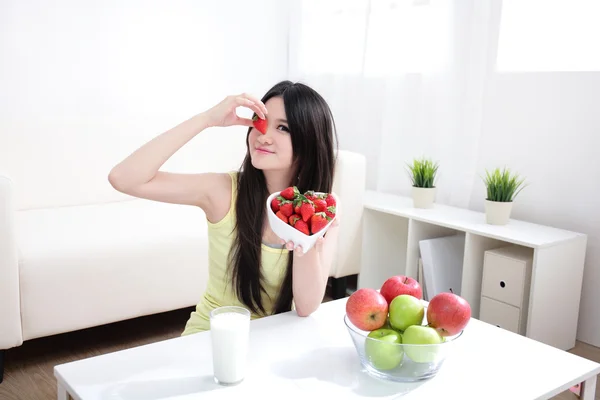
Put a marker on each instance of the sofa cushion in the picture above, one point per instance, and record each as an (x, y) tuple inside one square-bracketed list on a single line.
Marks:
[(83, 266)]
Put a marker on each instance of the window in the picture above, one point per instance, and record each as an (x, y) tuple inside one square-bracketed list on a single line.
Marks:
[(374, 37), (549, 35), (407, 37), (331, 36)]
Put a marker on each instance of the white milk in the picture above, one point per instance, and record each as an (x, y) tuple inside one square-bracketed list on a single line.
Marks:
[(229, 335)]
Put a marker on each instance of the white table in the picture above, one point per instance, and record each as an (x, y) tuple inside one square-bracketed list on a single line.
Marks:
[(314, 357), (392, 229)]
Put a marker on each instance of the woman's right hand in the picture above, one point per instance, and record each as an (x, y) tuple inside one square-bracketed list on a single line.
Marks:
[(224, 113)]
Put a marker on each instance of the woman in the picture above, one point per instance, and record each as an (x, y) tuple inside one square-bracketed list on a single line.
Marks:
[(249, 265)]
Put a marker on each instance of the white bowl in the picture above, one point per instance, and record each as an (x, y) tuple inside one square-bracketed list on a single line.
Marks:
[(291, 234)]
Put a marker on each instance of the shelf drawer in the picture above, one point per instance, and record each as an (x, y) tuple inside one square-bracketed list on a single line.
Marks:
[(500, 314), (503, 279)]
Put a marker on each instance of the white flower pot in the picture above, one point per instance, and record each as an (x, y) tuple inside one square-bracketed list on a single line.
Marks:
[(497, 212), (423, 197)]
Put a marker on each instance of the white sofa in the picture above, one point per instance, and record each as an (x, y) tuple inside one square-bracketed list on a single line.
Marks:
[(73, 267)]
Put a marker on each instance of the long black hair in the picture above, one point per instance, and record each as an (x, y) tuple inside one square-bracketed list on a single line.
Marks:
[(314, 144)]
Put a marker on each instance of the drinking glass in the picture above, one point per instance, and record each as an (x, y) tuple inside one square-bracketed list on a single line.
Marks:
[(230, 334)]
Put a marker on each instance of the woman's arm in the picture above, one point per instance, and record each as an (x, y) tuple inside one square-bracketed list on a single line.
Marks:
[(138, 175), (311, 271)]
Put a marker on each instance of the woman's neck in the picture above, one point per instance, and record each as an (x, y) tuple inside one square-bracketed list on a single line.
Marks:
[(277, 180)]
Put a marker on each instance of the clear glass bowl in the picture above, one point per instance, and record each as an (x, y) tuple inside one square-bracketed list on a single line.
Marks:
[(396, 361)]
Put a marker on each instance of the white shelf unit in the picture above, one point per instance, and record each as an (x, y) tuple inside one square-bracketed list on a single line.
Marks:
[(392, 229)]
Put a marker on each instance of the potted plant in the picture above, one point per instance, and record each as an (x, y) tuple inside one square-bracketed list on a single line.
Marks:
[(422, 174), (502, 188)]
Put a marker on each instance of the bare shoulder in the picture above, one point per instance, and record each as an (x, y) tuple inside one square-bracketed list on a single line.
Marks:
[(218, 201), (211, 191)]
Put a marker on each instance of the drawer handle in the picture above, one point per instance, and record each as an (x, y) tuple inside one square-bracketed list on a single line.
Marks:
[(502, 284)]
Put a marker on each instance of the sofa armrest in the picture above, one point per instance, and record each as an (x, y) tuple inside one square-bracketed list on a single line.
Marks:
[(349, 185), (10, 315)]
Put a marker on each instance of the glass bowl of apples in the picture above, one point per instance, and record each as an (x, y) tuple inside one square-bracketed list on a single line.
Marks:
[(395, 341)]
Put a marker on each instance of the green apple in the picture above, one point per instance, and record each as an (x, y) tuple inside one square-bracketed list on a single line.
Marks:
[(406, 310), (422, 335), (382, 348)]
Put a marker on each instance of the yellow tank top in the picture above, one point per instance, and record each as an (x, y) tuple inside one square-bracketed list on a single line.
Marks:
[(219, 291)]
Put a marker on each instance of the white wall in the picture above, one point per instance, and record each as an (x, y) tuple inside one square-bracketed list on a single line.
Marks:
[(546, 127), (82, 84)]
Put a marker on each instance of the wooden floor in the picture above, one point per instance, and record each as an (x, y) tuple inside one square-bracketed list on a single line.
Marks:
[(29, 368), (29, 375)]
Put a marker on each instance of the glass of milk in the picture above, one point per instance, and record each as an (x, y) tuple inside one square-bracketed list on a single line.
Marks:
[(229, 333)]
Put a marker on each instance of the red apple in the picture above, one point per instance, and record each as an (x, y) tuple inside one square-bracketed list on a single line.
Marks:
[(448, 313), (400, 284), (367, 309)]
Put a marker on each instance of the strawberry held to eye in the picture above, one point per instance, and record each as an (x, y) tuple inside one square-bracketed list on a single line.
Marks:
[(260, 124)]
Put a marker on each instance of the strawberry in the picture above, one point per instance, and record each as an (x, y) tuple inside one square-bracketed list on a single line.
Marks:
[(330, 200), (302, 227), (289, 193), (294, 218), (281, 216), (287, 208), (260, 124), (276, 203), (318, 221), (330, 212), (310, 195), (320, 205), (297, 205), (307, 210)]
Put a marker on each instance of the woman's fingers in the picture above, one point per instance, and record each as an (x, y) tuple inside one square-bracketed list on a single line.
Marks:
[(245, 122), (256, 101), (246, 102), (243, 101), (296, 249), (299, 252)]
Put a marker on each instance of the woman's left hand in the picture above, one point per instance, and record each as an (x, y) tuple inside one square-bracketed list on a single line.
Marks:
[(318, 247)]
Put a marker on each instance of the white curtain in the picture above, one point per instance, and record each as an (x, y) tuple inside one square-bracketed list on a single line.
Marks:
[(404, 78)]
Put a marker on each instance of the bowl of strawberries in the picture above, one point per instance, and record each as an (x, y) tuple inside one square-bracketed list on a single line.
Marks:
[(301, 218)]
